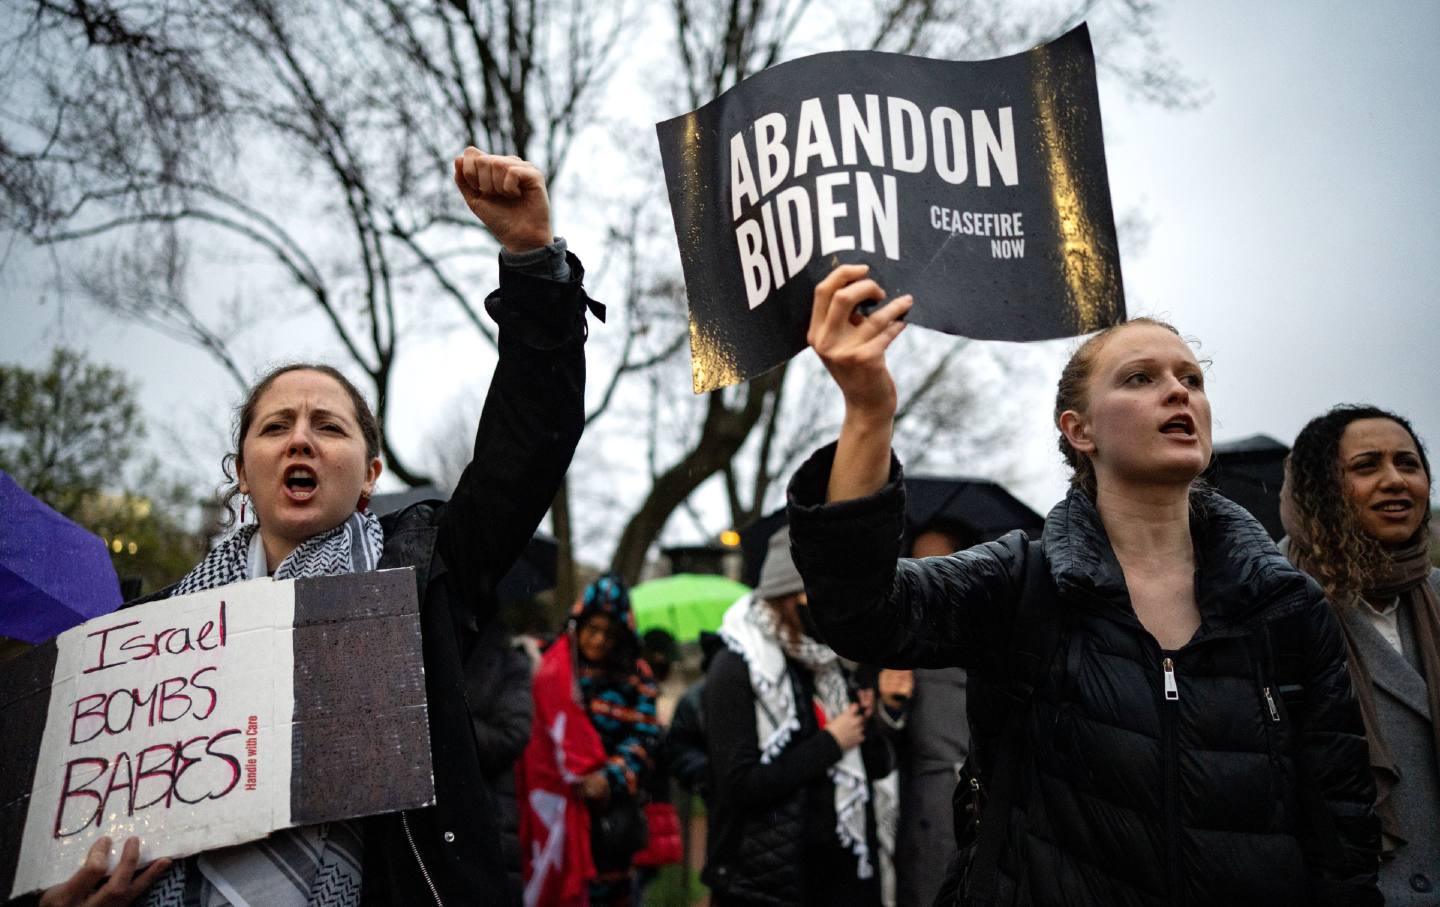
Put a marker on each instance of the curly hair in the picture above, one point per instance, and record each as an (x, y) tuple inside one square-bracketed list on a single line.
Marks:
[(1070, 393), (245, 415), (1336, 550)]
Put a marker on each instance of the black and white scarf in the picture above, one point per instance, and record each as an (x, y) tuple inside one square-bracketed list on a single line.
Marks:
[(307, 866), (751, 631)]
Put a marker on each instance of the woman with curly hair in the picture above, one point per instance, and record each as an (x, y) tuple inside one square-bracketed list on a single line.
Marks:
[(1356, 505)]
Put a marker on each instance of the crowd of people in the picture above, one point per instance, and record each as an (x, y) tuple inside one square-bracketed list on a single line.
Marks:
[(1148, 704)]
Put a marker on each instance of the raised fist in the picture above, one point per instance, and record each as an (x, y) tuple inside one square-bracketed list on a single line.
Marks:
[(508, 195)]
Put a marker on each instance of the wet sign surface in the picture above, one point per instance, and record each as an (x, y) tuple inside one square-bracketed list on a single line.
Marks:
[(979, 187), (213, 719)]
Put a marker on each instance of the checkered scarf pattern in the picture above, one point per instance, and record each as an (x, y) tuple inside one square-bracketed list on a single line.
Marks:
[(309, 866), (352, 547)]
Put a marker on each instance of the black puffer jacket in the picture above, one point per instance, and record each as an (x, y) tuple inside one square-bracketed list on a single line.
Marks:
[(1125, 797)]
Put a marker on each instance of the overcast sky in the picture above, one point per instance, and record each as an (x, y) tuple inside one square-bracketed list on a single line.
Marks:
[(1292, 234)]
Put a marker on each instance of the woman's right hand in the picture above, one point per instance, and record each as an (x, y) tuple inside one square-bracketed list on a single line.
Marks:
[(848, 728), (123, 886), (853, 346)]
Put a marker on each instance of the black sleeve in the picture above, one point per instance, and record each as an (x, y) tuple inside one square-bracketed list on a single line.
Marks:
[(684, 748), (737, 775), (528, 430), (1335, 759), (502, 729), (874, 607)]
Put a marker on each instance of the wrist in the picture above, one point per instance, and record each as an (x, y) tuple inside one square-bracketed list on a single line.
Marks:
[(519, 245), (869, 422)]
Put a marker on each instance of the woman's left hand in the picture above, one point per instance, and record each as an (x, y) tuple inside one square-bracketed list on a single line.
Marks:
[(595, 787), (123, 886), (509, 197)]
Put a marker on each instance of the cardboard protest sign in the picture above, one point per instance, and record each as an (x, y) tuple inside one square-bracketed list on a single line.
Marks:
[(212, 719), (980, 187)]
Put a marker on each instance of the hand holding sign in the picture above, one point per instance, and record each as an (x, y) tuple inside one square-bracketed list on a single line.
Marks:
[(853, 350), (124, 885), (509, 197), (853, 346)]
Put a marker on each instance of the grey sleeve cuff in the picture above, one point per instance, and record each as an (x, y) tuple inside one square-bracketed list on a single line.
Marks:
[(547, 262)]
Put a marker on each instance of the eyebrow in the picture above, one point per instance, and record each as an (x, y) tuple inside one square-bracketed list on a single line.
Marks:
[(290, 412), (1151, 361)]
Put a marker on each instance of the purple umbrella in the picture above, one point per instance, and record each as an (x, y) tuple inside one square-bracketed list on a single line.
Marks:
[(53, 573)]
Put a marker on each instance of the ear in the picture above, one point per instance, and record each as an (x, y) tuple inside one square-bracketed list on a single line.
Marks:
[(240, 478), (1077, 431), (371, 474)]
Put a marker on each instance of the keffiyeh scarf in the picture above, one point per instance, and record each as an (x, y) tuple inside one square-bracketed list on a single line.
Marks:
[(751, 631), (308, 866)]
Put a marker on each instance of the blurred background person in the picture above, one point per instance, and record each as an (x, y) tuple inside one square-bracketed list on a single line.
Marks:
[(1356, 506), (591, 748), (790, 820)]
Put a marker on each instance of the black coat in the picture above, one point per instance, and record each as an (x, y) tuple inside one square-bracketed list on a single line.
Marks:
[(531, 422), (497, 683), (772, 826), (1124, 797), (452, 853)]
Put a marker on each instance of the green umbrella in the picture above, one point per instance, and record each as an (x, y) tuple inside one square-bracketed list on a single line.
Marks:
[(684, 604)]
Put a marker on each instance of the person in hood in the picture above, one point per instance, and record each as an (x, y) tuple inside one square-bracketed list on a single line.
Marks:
[(1160, 707), (591, 750), (1356, 508), (792, 820)]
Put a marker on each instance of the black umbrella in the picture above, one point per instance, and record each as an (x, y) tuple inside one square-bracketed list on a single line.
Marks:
[(532, 573), (1250, 471), (973, 510)]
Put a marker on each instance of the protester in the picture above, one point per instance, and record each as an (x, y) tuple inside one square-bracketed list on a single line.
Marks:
[(307, 457), (1132, 740), (1356, 506), (497, 687), (589, 755), (685, 746), (790, 816), (926, 708)]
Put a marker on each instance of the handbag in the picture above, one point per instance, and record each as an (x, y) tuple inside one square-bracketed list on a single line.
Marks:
[(617, 832), (664, 846)]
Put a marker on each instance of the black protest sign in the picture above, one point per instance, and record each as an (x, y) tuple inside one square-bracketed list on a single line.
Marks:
[(979, 187), (211, 719)]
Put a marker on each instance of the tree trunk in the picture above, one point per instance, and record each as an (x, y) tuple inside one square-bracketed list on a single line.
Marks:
[(724, 431), (565, 578)]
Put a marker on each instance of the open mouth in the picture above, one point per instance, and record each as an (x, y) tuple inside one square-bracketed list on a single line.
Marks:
[(1181, 425), (1396, 507), (300, 481)]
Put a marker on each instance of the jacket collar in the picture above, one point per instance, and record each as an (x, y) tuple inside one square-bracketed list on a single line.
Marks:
[(1239, 569), (1389, 669)]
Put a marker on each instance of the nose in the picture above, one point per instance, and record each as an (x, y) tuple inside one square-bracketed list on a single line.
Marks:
[(300, 442), (1177, 391), (1390, 478)]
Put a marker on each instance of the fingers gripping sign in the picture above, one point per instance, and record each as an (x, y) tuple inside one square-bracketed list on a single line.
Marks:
[(852, 346), (508, 195), (95, 885)]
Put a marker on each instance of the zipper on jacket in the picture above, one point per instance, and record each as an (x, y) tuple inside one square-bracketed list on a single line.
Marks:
[(1171, 781), (1270, 704), (429, 883)]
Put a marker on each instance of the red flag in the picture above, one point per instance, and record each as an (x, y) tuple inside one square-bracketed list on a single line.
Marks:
[(554, 820)]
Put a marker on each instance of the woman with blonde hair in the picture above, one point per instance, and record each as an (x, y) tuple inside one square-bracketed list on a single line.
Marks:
[(1159, 703)]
